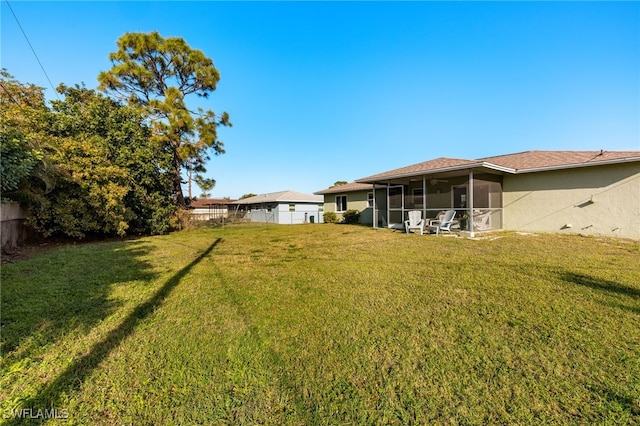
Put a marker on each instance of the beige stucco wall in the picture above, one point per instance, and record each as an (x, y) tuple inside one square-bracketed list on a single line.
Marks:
[(356, 200), (597, 200)]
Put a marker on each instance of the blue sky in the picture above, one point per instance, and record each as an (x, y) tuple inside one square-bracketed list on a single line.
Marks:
[(327, 91)]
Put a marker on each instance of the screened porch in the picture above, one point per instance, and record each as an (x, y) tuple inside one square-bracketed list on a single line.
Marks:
[(475, 197)]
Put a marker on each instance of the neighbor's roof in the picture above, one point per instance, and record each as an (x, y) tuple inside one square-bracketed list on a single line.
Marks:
[(206, 202), (347, 187), (523, 162), (281, 197)]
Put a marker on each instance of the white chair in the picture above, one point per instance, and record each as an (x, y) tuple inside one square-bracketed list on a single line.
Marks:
[(481, 220), (415, 221), (443, 224)]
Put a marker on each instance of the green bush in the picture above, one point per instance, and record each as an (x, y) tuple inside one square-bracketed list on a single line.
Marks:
[(18, 159), (330, 217), (351, 217)]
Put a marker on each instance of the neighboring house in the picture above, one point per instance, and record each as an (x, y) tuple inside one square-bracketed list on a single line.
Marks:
[(585, 192), (284, 207), (211, 208), (350, 196)]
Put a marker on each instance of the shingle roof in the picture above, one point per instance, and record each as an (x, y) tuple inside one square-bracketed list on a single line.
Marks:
[(430, 166), (522, 162), (348, 187), (558, 159), (206, 202), (281, 197)]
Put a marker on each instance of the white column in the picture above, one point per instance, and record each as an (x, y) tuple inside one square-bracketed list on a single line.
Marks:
[(471, 202), (374, 213)]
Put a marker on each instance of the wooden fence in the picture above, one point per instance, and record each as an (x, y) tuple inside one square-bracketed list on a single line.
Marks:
[(13, 229)]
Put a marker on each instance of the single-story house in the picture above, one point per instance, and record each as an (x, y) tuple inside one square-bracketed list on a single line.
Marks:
[(350, 196), (585, 192), (210, 208), (284, 207)]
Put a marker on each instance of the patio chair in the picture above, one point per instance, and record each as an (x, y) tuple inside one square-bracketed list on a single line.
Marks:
[(415, 221), (443, 224), (481, 220)]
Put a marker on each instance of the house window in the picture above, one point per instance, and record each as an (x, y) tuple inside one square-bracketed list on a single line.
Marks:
[(341, 203), (292, 207), (370, 199)]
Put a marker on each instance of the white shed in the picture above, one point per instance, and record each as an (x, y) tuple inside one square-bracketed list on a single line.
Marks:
[(284, 207)]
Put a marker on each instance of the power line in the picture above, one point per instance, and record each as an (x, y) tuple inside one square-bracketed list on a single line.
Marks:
[(12, 98), (32, 49)]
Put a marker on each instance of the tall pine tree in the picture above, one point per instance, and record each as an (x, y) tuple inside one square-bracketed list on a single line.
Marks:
[(158, 74)]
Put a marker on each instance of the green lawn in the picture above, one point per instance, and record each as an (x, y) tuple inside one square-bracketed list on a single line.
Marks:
[(325, 324)]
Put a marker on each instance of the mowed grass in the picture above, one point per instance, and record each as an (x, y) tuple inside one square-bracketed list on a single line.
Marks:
[(325, 324)]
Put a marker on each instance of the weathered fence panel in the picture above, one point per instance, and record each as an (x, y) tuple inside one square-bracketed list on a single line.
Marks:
[(13, 229)]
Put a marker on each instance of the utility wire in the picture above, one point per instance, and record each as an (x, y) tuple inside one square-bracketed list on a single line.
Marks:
[(32, 49), (12, 98), (10, 94)]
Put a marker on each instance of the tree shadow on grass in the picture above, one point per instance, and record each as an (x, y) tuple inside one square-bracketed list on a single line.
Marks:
[(74, 376), (632, 309), (617, 396), (601, 285), (45, 298), (611, 288)]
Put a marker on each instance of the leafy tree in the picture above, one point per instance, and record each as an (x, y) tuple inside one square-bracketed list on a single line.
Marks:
[(249, 195), (84, 165), (22, 105), (158, 74), (340, 183), (113, 180), (18, 160), (25, 172)]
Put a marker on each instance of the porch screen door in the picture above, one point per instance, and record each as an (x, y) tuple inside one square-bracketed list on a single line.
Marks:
[(396, 205)]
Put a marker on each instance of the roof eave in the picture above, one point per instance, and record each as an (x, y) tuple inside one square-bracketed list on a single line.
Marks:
[(272, 201), (338, 191), (578, 165), (374, 179)]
